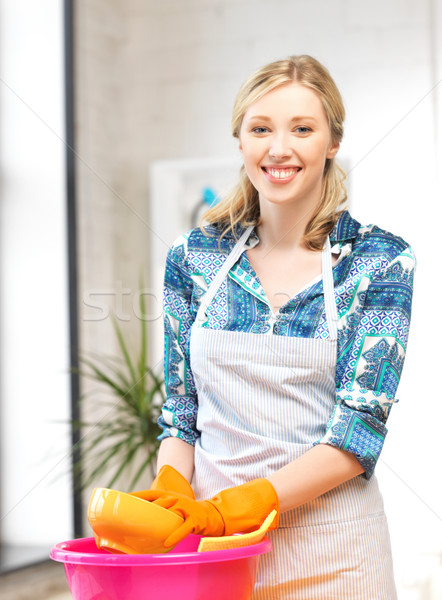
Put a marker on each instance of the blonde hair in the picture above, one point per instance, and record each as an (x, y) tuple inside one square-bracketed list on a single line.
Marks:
[(241, 204)]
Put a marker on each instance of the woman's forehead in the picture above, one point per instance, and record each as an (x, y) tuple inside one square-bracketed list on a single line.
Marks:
[(290, 100)]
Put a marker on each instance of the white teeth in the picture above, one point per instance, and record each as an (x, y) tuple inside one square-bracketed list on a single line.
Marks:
[(281, 173)]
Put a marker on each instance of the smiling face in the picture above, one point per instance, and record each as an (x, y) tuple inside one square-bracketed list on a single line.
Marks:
[(285, 140)]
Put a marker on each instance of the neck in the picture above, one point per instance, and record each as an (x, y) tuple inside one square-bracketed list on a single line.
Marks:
[(283, 226)]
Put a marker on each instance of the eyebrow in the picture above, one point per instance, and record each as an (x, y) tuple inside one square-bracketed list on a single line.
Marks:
[(297, 118)]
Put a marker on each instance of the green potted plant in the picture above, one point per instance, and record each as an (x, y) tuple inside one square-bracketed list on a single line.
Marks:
[(124, 442)]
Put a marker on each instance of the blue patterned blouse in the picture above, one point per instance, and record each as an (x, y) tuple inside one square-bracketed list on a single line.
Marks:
[(373, 280)]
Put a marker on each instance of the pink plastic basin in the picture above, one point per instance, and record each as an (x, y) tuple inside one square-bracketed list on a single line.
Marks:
[(185, 574)]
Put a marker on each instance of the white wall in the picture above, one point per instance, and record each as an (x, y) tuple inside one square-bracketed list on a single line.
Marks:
[(34, 373)]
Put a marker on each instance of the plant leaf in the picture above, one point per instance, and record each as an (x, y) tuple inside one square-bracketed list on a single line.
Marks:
[(123, 348)]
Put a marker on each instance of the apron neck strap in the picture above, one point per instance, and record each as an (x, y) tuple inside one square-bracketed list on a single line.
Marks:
[(222, 274), (331, 311), (327, 280)]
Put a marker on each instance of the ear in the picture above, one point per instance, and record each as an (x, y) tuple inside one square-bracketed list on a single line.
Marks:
[(333, 150), (240, 147)]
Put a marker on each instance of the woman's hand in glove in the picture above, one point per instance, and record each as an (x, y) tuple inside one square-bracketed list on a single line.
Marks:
[(239, 509), (168, 480)]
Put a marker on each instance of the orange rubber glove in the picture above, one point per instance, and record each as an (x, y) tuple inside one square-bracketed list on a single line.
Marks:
[(234, 510), (169, 479)]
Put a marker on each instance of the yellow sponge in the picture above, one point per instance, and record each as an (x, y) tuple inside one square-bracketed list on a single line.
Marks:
[(238, 540)]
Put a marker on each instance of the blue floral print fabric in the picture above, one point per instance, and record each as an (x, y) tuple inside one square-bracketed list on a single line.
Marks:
[(373, 278)]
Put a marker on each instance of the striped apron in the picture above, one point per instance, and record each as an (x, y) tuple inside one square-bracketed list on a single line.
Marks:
[(263, 400)]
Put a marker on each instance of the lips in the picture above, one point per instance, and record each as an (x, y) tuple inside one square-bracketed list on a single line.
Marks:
[(281, 174)]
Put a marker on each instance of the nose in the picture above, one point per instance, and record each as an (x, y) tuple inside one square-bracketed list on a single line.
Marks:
[(280, 146)]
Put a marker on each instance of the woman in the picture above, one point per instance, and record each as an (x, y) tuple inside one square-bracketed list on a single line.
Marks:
[(286, 325)]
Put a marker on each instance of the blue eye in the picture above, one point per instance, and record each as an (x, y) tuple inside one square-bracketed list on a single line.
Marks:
[(302, 129), (259, 130)]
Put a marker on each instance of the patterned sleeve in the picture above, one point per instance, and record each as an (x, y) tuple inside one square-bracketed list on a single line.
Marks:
[(370, 359), (179, 412)]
